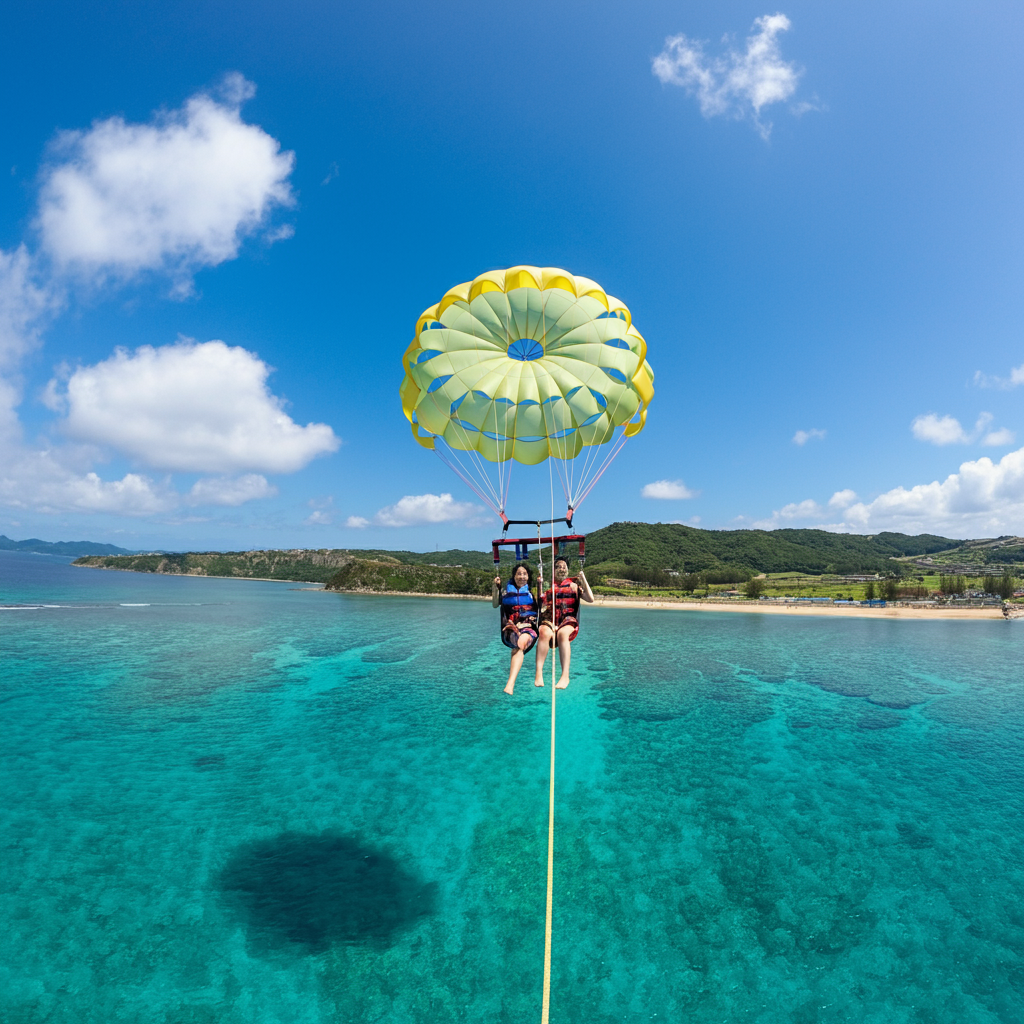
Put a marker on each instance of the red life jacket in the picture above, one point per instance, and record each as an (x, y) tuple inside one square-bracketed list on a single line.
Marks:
[(567, 601)]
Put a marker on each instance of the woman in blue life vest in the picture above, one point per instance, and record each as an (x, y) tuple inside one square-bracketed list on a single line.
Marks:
[(518, 617), (564, 601)]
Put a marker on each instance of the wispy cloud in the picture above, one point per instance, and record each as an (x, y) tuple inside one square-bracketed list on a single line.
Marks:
[(999, 438), (230, 491), (323, 511), (738, 84), (357, 523), (668, 490), (801, 437), (1015, 378), (947, 430)]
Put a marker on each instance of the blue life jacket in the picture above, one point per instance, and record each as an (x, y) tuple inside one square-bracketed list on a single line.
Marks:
[(517, 605)]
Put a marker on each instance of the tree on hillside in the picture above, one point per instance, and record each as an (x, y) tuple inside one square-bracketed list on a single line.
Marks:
[(952, 585), (869, 590), (890, 589), (753, 588)]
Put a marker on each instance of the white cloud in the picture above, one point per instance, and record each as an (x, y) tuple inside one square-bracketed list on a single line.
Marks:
[(982, 499), (738, 84), (801, 437), (1016, 377), (417, 509), (24, 301), (193, 407), (230, 490), (947, 430), (131, 495), (175, 194), (357, 523), (807, 509), (50, 481), (842, 499), (667, 490), (998, 438), (57, 480)]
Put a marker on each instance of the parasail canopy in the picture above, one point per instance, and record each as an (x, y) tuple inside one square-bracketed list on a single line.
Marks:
[(526, 364)]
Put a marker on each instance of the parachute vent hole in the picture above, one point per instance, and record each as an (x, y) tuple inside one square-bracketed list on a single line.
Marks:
[(525, 349)]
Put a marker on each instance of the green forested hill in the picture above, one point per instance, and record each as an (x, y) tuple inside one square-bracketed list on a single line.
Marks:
[(687, 549), (610, 550), (398, 577)]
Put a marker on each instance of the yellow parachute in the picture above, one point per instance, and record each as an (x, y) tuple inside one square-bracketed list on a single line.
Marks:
[(526, 364)]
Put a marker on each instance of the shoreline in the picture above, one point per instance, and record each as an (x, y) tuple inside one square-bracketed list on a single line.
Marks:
[(310, 584), (754, 608), (644, 603)]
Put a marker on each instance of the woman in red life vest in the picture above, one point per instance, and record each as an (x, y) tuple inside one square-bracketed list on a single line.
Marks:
[(518, 617), (564, 597)]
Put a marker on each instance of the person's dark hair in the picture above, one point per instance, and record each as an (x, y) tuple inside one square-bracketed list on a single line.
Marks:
[(564, 561), (529, 573)]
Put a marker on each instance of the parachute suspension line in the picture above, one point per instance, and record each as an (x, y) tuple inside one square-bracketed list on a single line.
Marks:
[(453, 460), (617, 445), (609, 459), (456, 467), (563, 482), (480, 471), (588, 459), (563, 457), (511, 460), (546, 999)]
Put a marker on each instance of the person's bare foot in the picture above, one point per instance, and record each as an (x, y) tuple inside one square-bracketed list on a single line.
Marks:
[(509, 688), (538, 681), (562, 683)]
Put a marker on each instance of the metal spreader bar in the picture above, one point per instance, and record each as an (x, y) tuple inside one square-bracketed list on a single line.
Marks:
[(522, 543), (567, 519)]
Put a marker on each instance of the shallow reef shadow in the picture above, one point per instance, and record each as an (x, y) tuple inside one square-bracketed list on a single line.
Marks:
[(311, 892)]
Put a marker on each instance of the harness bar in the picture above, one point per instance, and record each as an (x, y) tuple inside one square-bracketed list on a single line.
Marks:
[(567, 519), (522, 544)]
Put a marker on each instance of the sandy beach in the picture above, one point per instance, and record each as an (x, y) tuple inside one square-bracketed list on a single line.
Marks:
[(749, 607), (676, 604)]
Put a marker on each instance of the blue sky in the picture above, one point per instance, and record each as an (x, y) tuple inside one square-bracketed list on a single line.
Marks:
[(814, 213)]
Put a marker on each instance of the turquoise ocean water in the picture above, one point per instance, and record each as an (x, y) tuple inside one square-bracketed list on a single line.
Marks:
[(231, 801)]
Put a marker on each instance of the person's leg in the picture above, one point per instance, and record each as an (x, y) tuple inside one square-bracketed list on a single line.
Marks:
[(517, 663), (564, 654), (543, 643)]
